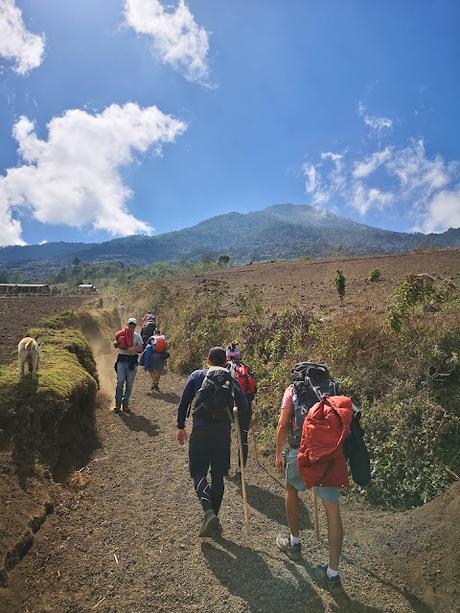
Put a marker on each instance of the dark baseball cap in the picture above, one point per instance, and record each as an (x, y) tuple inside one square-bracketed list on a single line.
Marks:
[(217, 356)]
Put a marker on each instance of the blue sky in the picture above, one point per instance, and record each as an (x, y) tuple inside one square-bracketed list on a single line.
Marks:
[(127, 116)]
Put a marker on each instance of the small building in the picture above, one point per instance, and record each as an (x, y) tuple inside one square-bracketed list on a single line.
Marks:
[(87, 288), (24, 289)]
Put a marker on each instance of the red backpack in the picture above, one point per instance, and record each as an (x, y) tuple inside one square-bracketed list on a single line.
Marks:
[(245, 377)]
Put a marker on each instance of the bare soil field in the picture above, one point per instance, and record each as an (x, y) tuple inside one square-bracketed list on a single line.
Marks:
[(309, 282), (18, 313)]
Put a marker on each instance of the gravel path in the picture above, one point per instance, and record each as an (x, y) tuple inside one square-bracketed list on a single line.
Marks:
[(125, 540)]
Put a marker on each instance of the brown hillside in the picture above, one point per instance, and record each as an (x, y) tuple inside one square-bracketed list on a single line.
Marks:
[(308, 282)]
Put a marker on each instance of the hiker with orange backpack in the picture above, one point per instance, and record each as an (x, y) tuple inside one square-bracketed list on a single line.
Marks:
[(154, 357), (246, 378), (316, 422)]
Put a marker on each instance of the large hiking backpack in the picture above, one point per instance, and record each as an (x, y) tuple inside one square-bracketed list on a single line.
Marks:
[(311, 381), (214, 399), (147, 330), (245, 377)]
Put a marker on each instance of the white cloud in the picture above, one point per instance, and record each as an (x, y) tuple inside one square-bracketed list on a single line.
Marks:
[(73, 178), (16, 42), (443, 212), (376, 124), (175, 35), (407, 178), (371, 163)]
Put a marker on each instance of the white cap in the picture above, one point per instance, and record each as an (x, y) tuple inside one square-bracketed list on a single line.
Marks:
[(132, 320)]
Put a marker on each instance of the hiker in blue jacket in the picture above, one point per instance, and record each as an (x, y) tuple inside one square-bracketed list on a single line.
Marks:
[(215, 392)]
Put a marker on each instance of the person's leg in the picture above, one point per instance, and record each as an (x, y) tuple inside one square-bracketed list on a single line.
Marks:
[(291, 545), (220, 464), (121, 378), (244, 431), (292, 509), (334, 533), (130, 376), (199, 462), (152, 376)]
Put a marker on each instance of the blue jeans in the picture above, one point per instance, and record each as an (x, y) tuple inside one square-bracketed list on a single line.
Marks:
[(125, 380)]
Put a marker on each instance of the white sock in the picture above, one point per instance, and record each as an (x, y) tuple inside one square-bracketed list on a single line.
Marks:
[(294, 540), (332, 573)]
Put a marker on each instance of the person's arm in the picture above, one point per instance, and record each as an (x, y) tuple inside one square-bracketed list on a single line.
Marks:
[(281, 437), (185, 401), (282, 430), (138, 345)]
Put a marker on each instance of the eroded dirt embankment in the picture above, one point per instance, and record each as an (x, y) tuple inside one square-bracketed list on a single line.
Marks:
[(126, 540), (48, 431)]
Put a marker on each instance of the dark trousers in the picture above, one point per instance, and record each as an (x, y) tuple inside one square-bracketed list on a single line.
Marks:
[(245, 424), (209, 448)]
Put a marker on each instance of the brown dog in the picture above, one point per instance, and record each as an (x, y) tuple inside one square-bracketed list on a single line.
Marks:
[(28, 351)]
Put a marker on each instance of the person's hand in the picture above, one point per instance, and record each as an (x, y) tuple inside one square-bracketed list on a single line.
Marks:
[(279, 463), (181, 436), (115, 344)]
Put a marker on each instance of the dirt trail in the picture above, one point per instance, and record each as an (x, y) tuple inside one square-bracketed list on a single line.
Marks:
[(127, 540)]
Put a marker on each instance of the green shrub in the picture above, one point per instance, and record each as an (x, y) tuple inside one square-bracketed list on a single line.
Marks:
[(374, 275)]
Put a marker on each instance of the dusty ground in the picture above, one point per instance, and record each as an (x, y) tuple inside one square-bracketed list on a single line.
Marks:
[(18, 313), (123, 537), (309, 282)]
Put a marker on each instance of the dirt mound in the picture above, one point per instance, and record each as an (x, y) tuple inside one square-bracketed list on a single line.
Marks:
[(423, 549)]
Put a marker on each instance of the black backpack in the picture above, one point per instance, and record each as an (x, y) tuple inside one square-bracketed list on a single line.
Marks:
[(311, 382), (147, 330), (355, 451), (214, 400)]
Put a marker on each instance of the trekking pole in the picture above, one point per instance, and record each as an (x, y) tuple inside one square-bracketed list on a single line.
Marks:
[(315, 504), (243, 481)]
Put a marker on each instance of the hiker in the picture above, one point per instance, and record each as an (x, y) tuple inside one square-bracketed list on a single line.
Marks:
[(245, 377), (154, 357), (295, 409), (215, 392), (149, 323), (129, 344)]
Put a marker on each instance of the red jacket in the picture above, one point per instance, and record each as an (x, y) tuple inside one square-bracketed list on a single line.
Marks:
[(125, 338), (321, 460)]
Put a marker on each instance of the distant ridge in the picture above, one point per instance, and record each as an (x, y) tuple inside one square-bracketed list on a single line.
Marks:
[(280, 231)]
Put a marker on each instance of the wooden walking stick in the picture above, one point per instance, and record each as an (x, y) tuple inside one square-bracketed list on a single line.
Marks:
[(243, 481), (315, 504)]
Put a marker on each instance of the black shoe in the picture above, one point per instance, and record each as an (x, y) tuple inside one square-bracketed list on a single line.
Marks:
[(117, 409), (294, 552), (127, 410), (209, 524), (319, 574)]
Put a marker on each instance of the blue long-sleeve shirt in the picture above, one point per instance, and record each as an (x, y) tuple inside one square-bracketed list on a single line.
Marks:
[(192, 386)]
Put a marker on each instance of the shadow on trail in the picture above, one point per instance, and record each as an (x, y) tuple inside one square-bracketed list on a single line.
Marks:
[(246, 574), (139, 423), (272, 506), (169, 397)]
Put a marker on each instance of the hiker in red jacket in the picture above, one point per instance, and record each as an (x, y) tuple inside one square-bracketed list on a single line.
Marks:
[(322, 465)]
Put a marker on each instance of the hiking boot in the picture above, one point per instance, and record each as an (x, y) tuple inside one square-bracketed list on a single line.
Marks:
[(126, 410), (294, 552), (117, 409), (319, 574), (209, 524)]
